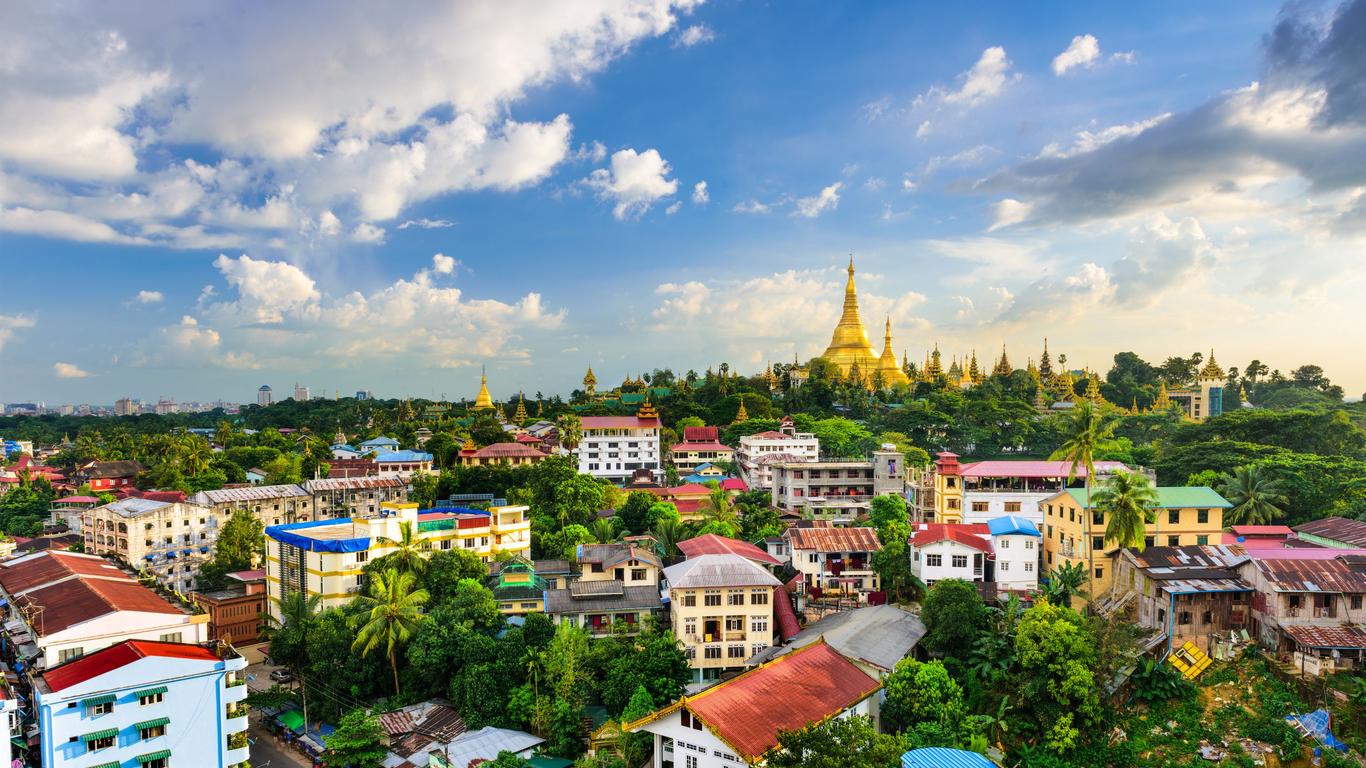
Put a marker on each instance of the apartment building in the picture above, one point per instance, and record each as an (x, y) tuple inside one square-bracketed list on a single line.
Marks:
[(759, 452), (835, 561), (722, 610), (168, 540), (336, 497), (615, 447), (837, 490), (700, 445), (272, 504), (983, 490)]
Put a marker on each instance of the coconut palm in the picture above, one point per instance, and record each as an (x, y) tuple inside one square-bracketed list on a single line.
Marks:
[(407, 556), (603, 531), (197, 454), (1127, 499), (288, 634), (1065, 582), (1086, 429), (570, 428), (395, 612), (1257, 498), (668, 532), (719, 507)]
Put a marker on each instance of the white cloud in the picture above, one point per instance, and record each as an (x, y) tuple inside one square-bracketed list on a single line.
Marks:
[(694, 35), (634, 181), (329, 224), (673, 208), (64, 225), (69, 371), (189, 336), (1088, 141), (1084, 52), (984, 81), (443, 264), (966, 158), (11, 323), (365, 232), (700, 195), (1009, 212), (750, 206), (874, 183), (828, 199), (923, 129), (907, 184), (427, 224), (1059, 298), (148, 297), (268, 289), (1123, 57)]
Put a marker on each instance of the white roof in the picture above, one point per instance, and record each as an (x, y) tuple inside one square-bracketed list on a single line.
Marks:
[(251, 493), (487, 743), (718, 571)]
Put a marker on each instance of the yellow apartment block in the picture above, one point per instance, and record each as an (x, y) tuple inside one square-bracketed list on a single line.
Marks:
[(722, 608)]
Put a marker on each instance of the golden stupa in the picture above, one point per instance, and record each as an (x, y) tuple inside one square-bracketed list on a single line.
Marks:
[(482, 401), (849, 345), (887, 365)]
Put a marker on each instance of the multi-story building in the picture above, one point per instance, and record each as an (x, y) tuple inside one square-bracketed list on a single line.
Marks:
[(760, 451), (272, 504), (327, 557), (837, 490), (514, 454), (168, 540), (147, 704), (1201, 400), (265, 396), (983, 490), (125, 406), (1004, 551), (615, 447), (701, 445), (835, 561), (106, 475), (1182, 594), (235, 610), (335, 497), (404, 464), (301, 393), (1018, 547), (1074, 531), (615, 588), (722, 611), (61, 605), (1310, 604)]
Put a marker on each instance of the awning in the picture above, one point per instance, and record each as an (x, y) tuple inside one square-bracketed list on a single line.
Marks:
[(149, 557), (107, 733), (150, 756), (110, 764), (293, 720), (95, 701), (149, 691), (152, 723), (203, 549), (170, 555)]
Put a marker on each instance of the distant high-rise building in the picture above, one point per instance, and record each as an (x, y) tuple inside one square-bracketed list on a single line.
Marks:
[(165, 405), (125, 406), (300, 393), (264, 395), (364, 394)]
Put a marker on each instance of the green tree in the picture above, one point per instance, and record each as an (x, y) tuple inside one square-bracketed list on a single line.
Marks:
[(1065, 582), (577, 500), (841, 742), (570, 429), (447, 568), (424, 490), (1086, 431), (718, 511), (887, 508), (633, 513), (893, 563), (953, 614), (1057, 656), (394, 613), (409, 551), (506, 759), (669, 531), (475, 606), (238, 545), (1257, 498), (1127, 499), (635, 746), (358, 742), (918, 691), (289, 632)]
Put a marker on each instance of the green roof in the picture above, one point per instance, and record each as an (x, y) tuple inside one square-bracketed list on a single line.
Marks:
[(1172, 497), (541, 761), (150, 756), (293, 720), (110, 764), (149, 691), (152, 723), (107, 733)]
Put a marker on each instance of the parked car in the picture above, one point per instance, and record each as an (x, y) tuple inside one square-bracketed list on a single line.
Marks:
[(281, 676)]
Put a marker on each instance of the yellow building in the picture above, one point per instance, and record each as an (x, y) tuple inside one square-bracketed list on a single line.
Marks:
[(852, 352), (1075, 533), (328, 557), (722, 611)]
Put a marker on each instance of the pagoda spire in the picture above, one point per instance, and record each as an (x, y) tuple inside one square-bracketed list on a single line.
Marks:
[(1045, 364), (849, 345), (1093, 388), (482, 401), (886, 365), (590, 382), (1163, 402), (1003, 367), (740, 414), (519, 415)]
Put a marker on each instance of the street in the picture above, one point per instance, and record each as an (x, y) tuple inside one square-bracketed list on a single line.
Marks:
[(266, 750)]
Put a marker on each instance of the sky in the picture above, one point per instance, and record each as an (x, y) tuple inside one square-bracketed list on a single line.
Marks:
[(197, 199)]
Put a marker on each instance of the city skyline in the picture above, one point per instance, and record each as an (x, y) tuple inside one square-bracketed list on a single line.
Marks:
[(667, 185)]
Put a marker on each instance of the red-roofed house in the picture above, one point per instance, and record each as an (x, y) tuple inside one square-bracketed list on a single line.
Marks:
[(983, 490), (144, 703), (737, 721), (510, 454), (835, 559), (701, 445), (951, 551), (760, 451), (711, 544)]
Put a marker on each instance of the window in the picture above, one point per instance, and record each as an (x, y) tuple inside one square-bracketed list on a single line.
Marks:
[(758, 597), (637, 574), (735, 598), (735, 652), (1029, 567), (1097, 542), (1005, 566), (690, 600), (690, 761), (711, 652), (1356, 602), (690, 627), (813, 558), (758, 624), (1097, 518), (960, 561), (735, 623), (934, 561), (1174, 516), (1184, 617), (362, 556), (1202, 516), (1012, 506), (1004, 543), (160, 762), (152, 731), (1173, 541), (711, 597), (1202, 540), (67, 654), (758, 648), (1100, 571), (103, 742), (152, 698), (102, 708), (980, 506), (173, 637), (1029, 543)]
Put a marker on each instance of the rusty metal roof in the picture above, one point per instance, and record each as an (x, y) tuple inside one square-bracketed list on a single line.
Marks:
[(834, 539), (1346, 636), (1342, 529), (1335, 575)]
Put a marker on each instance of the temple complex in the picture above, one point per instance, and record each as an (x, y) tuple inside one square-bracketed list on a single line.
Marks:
[(852, 352)]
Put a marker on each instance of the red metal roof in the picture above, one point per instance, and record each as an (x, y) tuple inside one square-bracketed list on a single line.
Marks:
[(711, 446), (1261, 530), (1342, 529), (68, 588), (834, 539), (1009, 468), (711, 544), (783, 614), (616, 422), (505, 450), (701, 434), (734, 484), (787, 694), (77, 500), (1302, 575), (115, 656), (1347, 636), (26, 573), (966, 534)]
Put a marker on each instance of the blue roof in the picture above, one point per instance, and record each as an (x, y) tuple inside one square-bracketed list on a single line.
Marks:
[(343, 447), (404, 456), (1012, 525), (379, 441), (286, 534), (943, 757)]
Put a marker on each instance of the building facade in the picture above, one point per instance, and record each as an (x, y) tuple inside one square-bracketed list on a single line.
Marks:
[(511, 454), (758, 453), (147, 704), (336, 497), (980, 491), (700, 445), (614, 447), (835, 561), (235, 611), (838, 491), (271, 504), (722, 611), (168, 540)]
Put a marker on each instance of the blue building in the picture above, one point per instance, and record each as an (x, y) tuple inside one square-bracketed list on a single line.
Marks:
[(146, 704)]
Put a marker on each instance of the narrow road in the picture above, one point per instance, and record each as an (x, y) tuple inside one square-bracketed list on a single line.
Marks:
[(269, 752)]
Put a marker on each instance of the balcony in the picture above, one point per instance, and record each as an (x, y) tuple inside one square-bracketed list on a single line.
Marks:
[(237, 756), (236, 724)]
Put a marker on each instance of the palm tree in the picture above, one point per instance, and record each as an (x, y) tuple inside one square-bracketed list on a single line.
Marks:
[(1064, 583), (1257, 499), (395, 613), (570, 427), (1085, 431), (603, 531), (408, 550), (719, 507), (288, 635), (668, 532), (1127, 499), (198, 454), (223, 433)]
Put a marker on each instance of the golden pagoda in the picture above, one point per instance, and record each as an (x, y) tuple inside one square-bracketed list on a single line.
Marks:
[(647, 409), (849, 345), (1093, 388), (1211, 371), (1045, 365), (974, 372), (519, 415), (770, 378), (1003, 366), (955, 370), (934, 365), (740, 414), (590, 383), (1242, 396), (1163, 402), (886, 365), (482, 402)]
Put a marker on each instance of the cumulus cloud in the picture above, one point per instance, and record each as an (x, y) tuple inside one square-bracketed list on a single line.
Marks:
[(1060, 297), (750, 206), (329, 224), (69, 371), (267, 289), (984, 81), (11, 323), (1084, 52), (673, 208), (700, 195), (694, 35), (828, 199), (966, 158), (1009, 212), (443, 264), (1162, 253), (420, 105), (634, 182), (148, 297), (365, 232)]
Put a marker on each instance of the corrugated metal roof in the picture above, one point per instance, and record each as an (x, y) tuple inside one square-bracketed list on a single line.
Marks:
[(718, 571), (1012, 525), (580, 589), (712, 544), (1346, 636), (881, 635), (834, 539), (248, 493), (1312, 576), (633, 599), (1009, 468), (351, 483), (1341, 529), (943, 757)]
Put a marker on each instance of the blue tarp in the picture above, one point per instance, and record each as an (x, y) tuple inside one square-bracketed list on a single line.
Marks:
[(943, 757), (1320, 725), (285, 535)]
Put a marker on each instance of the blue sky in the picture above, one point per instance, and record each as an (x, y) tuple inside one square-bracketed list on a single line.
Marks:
[(353, 202)]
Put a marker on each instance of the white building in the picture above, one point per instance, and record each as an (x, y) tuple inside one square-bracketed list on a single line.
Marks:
[(147, 704), (835, 560), (759, 452), (265, 396), (62, 605), (614, 447), (1019, 552), (168, 540), (9, 717), (839, 491), (1005, 551), (737, 721), (301, 393)]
